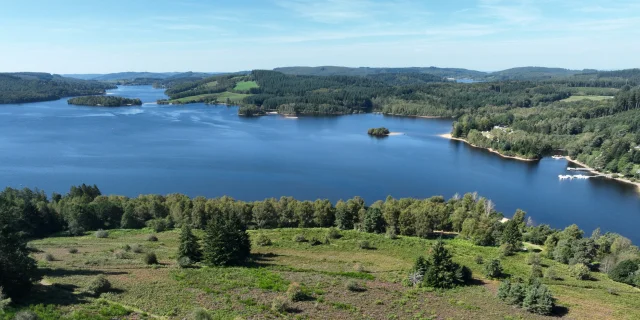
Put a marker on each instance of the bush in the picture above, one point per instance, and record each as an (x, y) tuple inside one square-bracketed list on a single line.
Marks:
[(279, 304), (333, 233), (184, 262), (121, 255), (507, 249), (295, 292), (315, 242), (151, 258), (493, 269), (533, 259), (102, 234), (136, 248), (99, 285), (299, 238), (158, 225), (624, 271), (580, 271), (49, 257), (364, 244), (72, 250), (26, 315), (126, 247), (358, 268), (551, 274), (201, 314), (392, 233), (539, 299), (152, 238), (4, 301), (536, 271), (263, 240), (355, 286), (479, 259)]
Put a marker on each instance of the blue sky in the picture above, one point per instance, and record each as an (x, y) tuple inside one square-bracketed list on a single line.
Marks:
[(66, 36)]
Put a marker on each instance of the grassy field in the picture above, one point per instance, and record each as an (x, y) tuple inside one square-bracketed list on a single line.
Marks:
[(245, 85), (580, 98), (222, 97), (166, 291)]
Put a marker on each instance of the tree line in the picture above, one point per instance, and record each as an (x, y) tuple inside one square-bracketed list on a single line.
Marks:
[(33, 87), (104, 101)]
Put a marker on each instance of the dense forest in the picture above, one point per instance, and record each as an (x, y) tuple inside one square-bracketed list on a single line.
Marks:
[(32, 87), (104, 101)]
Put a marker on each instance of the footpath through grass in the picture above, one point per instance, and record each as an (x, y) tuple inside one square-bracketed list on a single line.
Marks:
[(324, 272)]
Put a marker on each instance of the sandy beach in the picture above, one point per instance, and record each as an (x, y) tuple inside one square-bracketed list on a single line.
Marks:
[(448, 136)]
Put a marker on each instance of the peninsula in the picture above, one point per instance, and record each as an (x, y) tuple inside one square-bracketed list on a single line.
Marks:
[(104, 101)]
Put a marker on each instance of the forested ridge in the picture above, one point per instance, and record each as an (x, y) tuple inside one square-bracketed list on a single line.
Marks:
[(105, 101), (32, 87)]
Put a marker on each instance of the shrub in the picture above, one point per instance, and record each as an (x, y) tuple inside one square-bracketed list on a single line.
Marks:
[(551, 274), (538, 299), (152, 238), (26, 315), (136, 248), (333, 233), (533, 259), (49, 257), (536, 271), (624, 272), (185, 262), (364, 244), (150, 258), (315, 242), (507, 249), (493, 269), (295, 292), (580, 271), (392, 233), (200, 314), (4, 301), (299, 238), (102, 234), (121, 255), (263, 240), (358, 268), (72, 250), (279, 304), (517, 292), (126, 247), (158, 225), (354, 286), (479, 259), (99, 285)]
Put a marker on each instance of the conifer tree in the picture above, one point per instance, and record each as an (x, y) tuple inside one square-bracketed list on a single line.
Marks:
[(226, 241), (189, 246)]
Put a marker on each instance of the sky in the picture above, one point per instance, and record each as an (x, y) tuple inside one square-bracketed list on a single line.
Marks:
[(96, 36)]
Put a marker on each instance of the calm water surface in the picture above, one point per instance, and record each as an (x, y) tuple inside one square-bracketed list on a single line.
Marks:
[(210, 151)]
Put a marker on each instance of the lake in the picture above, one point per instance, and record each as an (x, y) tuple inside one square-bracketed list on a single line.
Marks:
[(210, 151)]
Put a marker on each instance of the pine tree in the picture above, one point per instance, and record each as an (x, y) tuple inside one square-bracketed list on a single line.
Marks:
[(226, 241), (538, 299), (511, 237), (189, 246), (18, 271), (441, 271)]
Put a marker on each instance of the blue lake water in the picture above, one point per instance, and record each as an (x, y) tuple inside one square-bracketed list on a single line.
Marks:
[(211, 151)]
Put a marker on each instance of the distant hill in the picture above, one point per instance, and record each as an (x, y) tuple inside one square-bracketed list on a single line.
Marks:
[(531, 73), (24, 87), (366, 71), (130, 76)]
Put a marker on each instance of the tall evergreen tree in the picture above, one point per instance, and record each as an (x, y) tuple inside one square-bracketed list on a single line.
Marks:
[(189, 246), (441, 272), (226, 241)]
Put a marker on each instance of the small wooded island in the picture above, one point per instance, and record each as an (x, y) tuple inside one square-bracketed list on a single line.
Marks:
[(379, 132), (104, 101)]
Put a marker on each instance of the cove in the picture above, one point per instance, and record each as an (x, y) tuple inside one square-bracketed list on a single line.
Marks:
[(199, 149)]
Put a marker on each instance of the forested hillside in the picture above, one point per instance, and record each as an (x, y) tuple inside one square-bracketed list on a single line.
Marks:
[(32, 87), (104, 101)]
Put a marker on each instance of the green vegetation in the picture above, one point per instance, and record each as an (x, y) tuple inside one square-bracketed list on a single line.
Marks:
[(379, 132), (104, 101), (32, 87), (245, 85), (313, 277)]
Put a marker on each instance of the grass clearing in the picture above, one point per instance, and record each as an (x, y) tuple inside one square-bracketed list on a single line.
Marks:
[(580, 98), (323, 271), (245, 85)]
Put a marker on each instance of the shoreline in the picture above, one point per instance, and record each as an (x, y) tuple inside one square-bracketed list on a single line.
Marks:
[(396, 133), (450, 137), (602, 174)]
